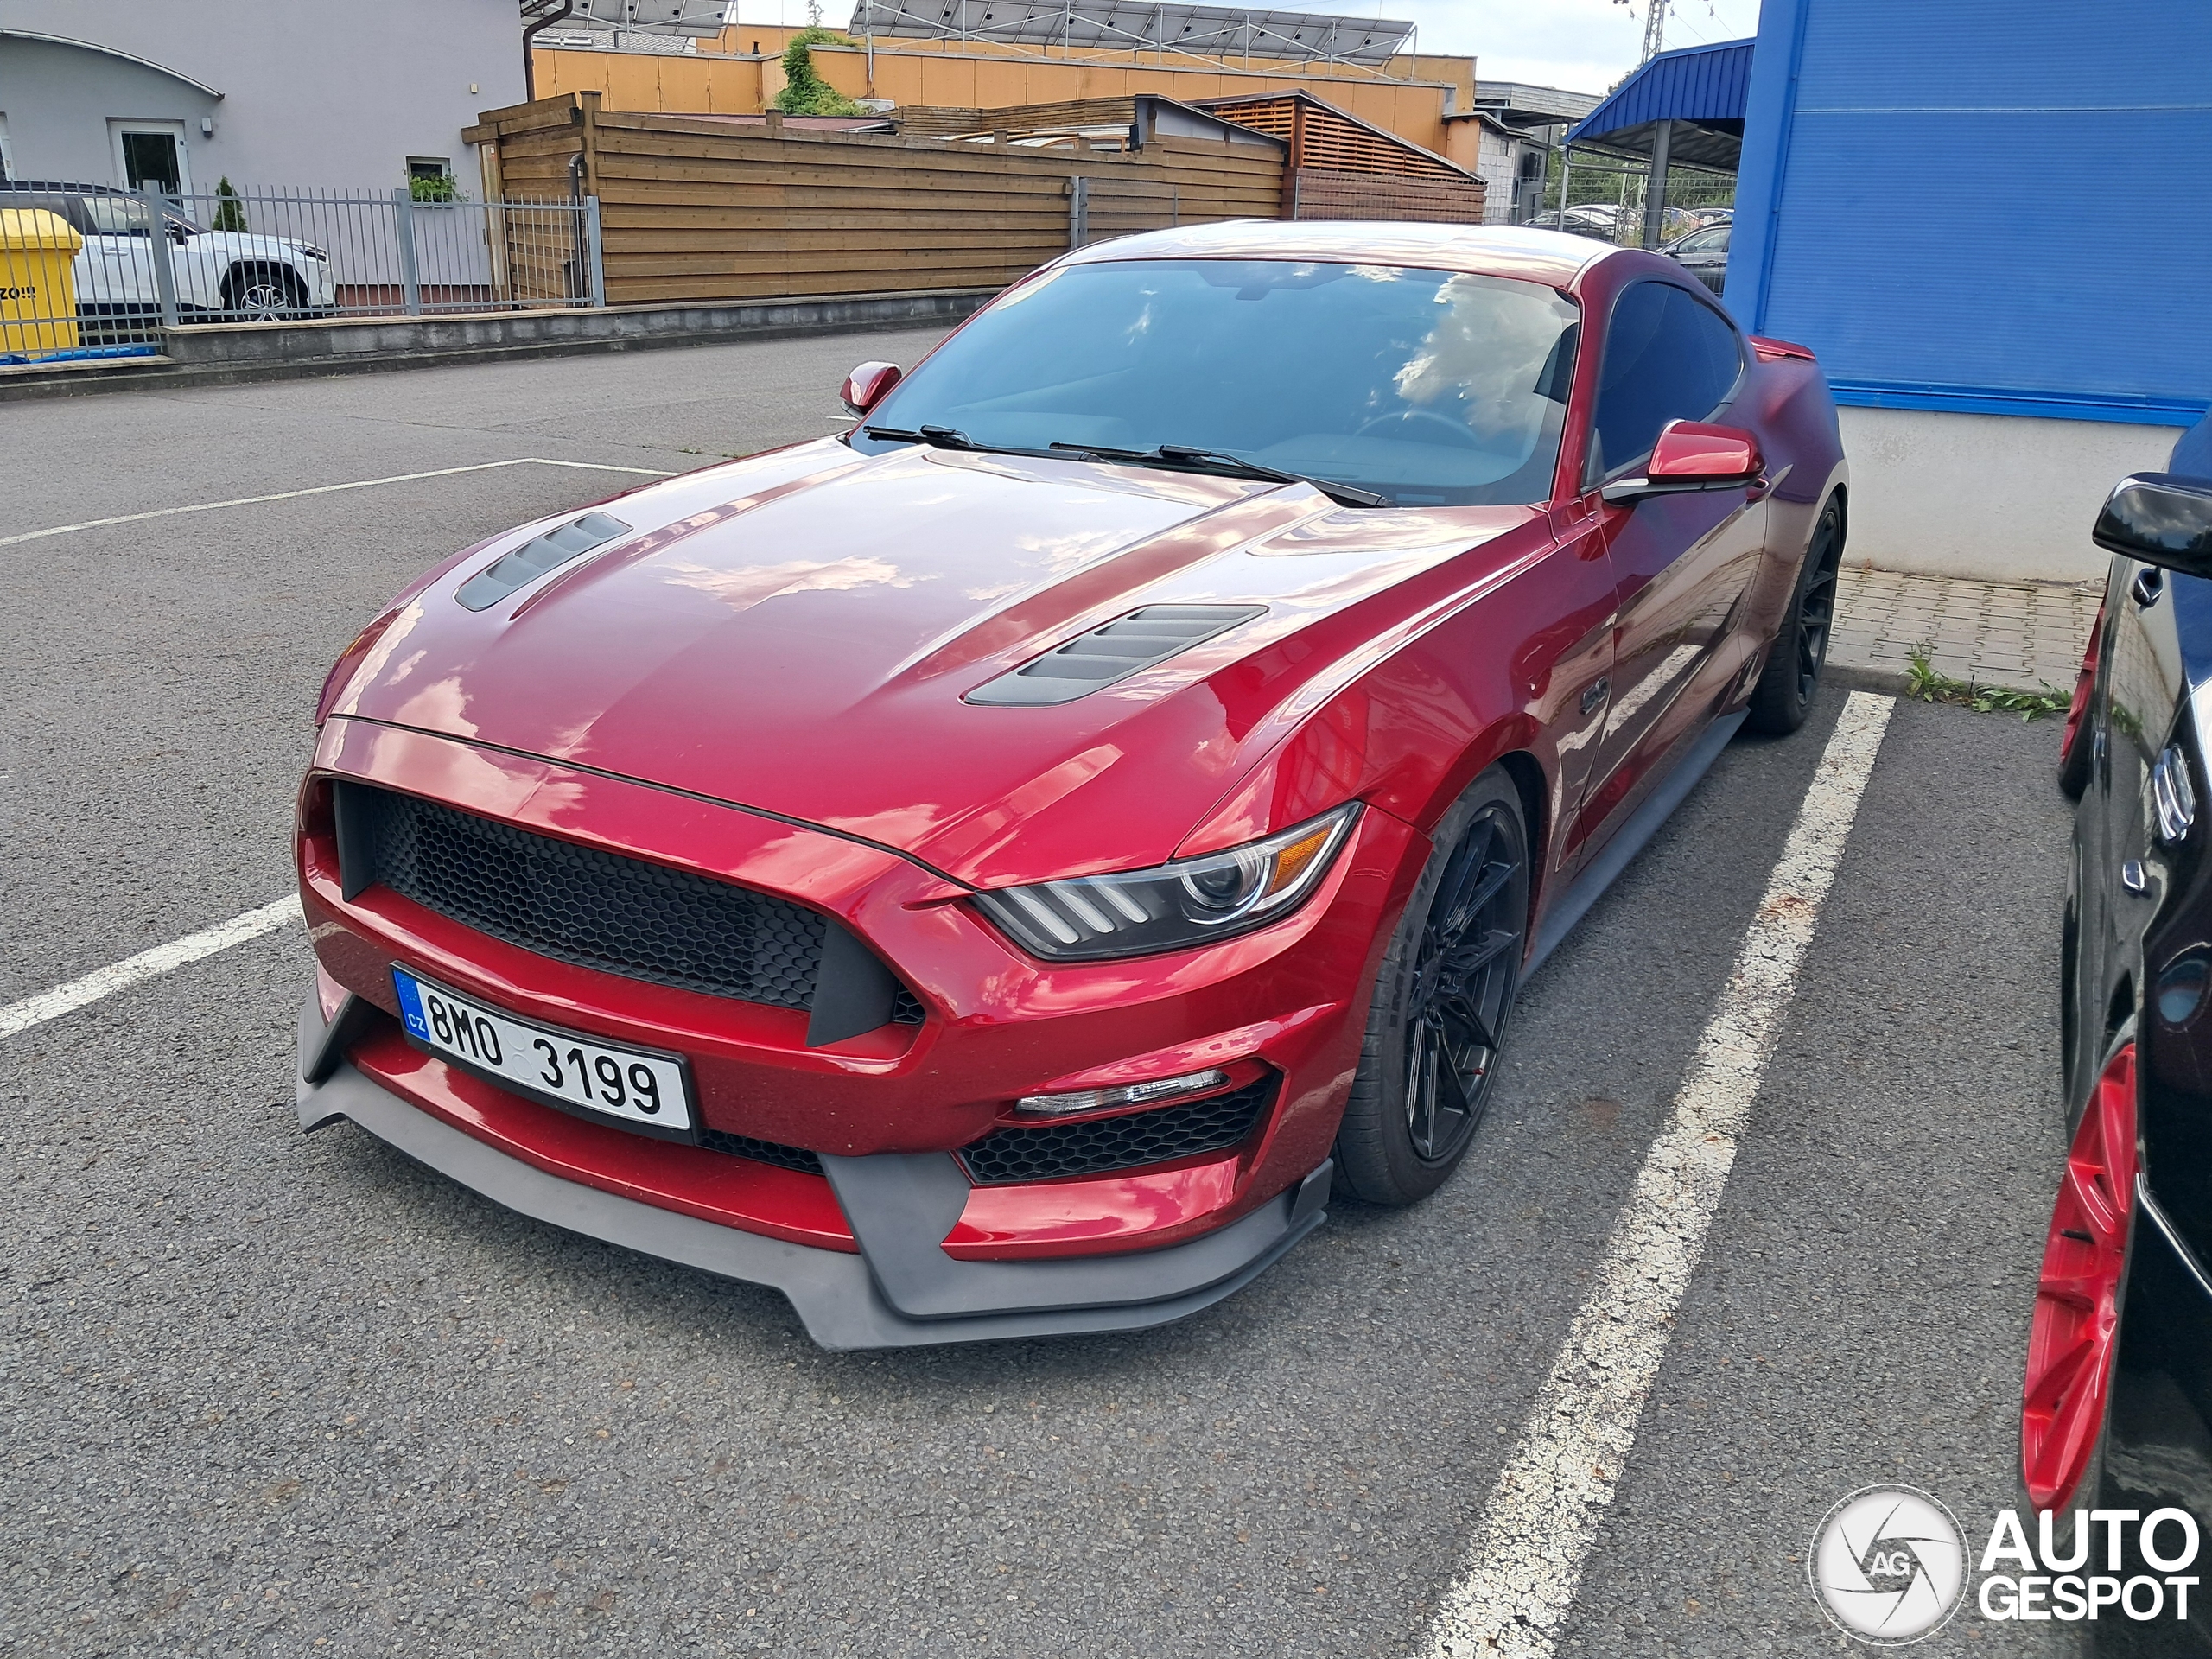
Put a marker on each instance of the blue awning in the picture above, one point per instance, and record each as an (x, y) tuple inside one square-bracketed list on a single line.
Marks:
[(1701, 88)]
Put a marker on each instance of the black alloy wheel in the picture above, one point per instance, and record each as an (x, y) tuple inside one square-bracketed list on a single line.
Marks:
[(1784, 693), (1443, 1000)]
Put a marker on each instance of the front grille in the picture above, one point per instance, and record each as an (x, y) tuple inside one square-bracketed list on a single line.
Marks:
[(595, 909), (1110, 1143), (762, 1151)]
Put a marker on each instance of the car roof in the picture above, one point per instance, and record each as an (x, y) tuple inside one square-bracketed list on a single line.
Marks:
[(1548, 257)]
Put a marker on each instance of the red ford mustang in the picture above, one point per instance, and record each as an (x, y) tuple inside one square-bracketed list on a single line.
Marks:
[(989, 873)]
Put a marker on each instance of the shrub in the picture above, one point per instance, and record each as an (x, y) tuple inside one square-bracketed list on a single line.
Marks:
[(230, 212), (804, 90)]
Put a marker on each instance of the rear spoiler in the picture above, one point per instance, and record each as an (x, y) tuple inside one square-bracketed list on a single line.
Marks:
[(1778, 350)]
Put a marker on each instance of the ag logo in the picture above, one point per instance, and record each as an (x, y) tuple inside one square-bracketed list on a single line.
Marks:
[(1889, 1564)]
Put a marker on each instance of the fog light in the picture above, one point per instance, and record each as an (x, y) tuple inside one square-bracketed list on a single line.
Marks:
[(1130, 1094)]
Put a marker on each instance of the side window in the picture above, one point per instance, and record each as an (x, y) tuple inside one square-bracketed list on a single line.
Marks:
[(114, 216), (1668, 358)]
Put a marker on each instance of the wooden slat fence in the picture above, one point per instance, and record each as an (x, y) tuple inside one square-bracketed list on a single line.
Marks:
[(697, 211)]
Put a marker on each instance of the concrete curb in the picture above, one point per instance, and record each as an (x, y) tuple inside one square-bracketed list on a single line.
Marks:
[(1890, 681), (228, 354)]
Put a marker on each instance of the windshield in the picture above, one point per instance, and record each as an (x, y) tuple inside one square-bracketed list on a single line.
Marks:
[(1426, 387)]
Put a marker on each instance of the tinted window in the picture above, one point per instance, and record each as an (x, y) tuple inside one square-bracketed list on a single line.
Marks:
[(1429, 387), (1668, 358)]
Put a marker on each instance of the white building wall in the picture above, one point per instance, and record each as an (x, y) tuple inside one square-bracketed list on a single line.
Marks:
[(1498, 158), (312, 94), (1999, 497)]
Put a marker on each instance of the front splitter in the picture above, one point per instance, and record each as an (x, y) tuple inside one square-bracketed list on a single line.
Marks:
[(902, 1291)]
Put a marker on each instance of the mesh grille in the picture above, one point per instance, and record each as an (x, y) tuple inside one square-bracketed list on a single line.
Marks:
[(1129, 1143), (764, 1151), (597, 910)]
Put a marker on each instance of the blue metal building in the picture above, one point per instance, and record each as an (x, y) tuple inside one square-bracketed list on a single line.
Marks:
[(1985, 207)]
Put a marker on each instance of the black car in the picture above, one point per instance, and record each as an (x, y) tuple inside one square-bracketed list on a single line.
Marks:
[(2117, 1409)]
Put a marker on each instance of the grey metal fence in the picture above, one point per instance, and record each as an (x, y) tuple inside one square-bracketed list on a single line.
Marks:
[(1101, 209), (273, 256), (1609, 198)]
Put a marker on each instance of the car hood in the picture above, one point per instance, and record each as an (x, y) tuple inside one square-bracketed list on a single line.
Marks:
[(795, 633)]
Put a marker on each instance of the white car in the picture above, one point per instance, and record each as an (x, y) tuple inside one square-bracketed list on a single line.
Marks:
[(230, 275)]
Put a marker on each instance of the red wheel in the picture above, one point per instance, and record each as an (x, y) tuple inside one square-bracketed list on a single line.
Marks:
[(2077, 1298)]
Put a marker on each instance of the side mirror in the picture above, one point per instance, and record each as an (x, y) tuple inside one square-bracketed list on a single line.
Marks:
[(179, 235), (864, 387), (1692, 455), (2161, 518)]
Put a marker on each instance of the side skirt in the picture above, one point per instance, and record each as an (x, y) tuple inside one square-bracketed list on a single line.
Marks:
[(1630, 839)]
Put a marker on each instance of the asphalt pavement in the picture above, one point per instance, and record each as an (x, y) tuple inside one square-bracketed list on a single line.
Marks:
[(271, 1393)]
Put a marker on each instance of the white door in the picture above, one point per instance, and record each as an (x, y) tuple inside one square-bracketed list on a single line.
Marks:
[(151, 156)]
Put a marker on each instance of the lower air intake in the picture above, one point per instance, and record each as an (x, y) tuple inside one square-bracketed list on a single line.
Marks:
[(1131, 1142), (761, 1152)]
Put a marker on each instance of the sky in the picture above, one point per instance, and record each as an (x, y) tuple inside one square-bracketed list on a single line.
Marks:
[(1582, 45)]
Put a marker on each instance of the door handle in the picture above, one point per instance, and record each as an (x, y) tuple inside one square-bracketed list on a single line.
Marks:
[(2150, 582), (1595, 693)]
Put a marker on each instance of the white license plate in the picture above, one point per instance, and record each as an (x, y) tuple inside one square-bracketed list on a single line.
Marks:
[(639, 1087)]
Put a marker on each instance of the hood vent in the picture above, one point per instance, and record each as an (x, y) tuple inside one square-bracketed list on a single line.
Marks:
[(1113, 651), (537, 556)]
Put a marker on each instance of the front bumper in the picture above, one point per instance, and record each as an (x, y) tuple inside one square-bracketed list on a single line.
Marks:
[(900, 1289)]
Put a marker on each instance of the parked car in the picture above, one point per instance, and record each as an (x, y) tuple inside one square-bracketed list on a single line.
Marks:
[(993, 873), (1704, 254), (1599, 219), (220, 275), (2117, 1409)]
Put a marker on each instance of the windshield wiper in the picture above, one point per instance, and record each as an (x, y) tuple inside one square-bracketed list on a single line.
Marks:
[(937, 437), (1184, 455)]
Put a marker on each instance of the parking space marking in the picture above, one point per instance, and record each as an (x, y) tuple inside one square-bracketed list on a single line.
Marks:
[(147, 964), (328, 489), (1526, 1556)]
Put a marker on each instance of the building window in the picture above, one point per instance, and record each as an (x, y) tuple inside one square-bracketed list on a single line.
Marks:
[(429, 178), (7, 155), (150, 155)]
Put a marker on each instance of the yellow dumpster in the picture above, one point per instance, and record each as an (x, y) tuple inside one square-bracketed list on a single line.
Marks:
[(38, 294)]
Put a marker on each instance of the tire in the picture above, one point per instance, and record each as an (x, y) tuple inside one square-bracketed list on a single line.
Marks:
[(2073, 1085), (1783, 696), (264, 294), (1443, 1000), (2077, 745)]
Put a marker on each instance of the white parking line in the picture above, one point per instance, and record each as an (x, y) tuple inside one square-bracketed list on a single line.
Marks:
[(1527, 1554), (147, 964), (326, 489)]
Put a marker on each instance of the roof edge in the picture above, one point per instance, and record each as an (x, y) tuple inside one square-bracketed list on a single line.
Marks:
[(110, 52)]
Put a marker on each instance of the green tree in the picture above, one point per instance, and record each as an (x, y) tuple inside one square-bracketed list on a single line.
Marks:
[(804, 90), (230, 212)]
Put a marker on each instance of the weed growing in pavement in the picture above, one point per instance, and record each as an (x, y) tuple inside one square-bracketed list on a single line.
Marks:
[(1923, 681)]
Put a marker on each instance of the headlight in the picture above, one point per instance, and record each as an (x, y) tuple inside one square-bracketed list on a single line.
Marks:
[(1194, 902)]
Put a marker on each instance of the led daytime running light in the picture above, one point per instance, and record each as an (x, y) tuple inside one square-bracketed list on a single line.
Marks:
[(1191, 902), (1130, 1094)]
